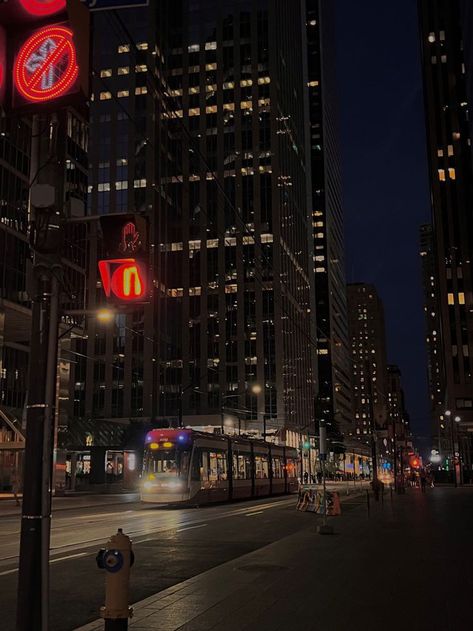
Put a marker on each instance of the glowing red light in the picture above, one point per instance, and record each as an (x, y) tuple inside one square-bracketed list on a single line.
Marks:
[(123, 279), (46, 65), (43, 7)]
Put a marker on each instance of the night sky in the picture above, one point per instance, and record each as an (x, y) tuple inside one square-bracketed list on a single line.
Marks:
[(385, 185)]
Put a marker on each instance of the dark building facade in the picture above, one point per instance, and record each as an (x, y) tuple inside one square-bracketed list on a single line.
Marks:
[(448, 66), (435, 366), (25, 160), (333, 353), (369, 363), (117, 369), (198, 121), (398, 435), (245, 288)]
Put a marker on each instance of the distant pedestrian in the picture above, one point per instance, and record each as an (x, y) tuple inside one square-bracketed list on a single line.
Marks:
[(423, 481)]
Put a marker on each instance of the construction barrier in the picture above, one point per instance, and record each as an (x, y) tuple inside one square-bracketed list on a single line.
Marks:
[(311, 500)]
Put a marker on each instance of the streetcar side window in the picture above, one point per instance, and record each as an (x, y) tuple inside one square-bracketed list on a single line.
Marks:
[(211, 466), (217, 465), (261, 467), (241, 467), (277, 468)]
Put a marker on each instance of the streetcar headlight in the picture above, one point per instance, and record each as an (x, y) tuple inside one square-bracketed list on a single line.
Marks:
[(175, 485)]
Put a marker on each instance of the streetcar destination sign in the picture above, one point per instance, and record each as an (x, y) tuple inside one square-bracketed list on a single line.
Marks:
[(103, 5)]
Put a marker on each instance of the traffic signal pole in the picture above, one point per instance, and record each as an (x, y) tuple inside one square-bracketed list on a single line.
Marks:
[(30, 589), (46, 236), (48, 441)]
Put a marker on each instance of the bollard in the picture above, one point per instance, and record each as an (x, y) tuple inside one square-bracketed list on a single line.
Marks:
[(368, 502), (116, 559)]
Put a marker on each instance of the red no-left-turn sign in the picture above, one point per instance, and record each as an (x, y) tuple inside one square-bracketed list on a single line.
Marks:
[(46, 65)]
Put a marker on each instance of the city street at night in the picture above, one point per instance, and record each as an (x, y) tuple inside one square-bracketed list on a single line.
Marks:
[(262, 560), (236, 315)]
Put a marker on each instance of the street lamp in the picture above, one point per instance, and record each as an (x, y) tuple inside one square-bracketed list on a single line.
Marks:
[(255, 388), (105, 315), (457, 419)]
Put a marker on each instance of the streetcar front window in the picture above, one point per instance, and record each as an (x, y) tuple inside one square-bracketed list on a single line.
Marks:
[(166, 464)]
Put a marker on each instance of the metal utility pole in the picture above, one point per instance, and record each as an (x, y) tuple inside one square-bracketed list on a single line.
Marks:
[(325, 529), (46, 236)]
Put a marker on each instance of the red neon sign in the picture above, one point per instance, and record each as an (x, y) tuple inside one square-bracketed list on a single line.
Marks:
[(46, 65), (43, 7), (123, 279)]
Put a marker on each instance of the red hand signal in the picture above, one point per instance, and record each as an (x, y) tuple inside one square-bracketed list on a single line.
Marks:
[(43, 7)]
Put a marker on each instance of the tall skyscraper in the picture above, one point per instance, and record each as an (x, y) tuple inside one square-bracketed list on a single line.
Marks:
[(435, 366), (333, 353), (237, 68), (118, 366), (448, 80), (198, 121), (369, 364), (398, 438)]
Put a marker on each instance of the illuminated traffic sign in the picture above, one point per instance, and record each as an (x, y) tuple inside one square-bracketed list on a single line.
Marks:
[(43, 7), (124, 279), (124, 260), (46, 65)]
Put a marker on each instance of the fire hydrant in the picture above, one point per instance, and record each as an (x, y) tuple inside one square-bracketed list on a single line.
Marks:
[(116, 559)]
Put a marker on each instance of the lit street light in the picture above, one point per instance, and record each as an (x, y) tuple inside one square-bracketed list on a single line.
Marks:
[(105, 315)]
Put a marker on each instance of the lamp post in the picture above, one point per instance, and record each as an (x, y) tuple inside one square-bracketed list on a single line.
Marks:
[(448, 414)]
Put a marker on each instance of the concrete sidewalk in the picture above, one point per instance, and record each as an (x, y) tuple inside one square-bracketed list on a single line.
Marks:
[(408, 563)]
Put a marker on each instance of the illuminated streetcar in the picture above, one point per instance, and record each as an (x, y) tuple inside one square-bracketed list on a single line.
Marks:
[(185, 466)]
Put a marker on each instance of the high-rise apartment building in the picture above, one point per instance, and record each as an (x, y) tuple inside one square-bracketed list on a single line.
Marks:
[(369, 364), (435, 365), (333, 353), (447, 46), (198, 121)]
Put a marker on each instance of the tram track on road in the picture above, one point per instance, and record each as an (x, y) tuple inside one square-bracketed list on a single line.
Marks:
[(148, 531)]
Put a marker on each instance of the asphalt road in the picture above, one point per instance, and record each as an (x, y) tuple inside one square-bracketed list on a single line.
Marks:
[(170, 546)]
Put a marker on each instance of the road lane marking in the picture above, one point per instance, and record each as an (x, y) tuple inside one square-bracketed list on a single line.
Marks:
[(260, 512), (190, 527), (70, 556)]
